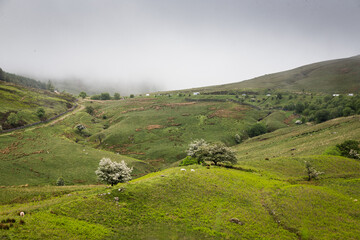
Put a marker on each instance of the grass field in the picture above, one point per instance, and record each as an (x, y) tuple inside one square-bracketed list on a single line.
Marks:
[(174, 204)]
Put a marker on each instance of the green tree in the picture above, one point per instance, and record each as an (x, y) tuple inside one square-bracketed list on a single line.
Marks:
[(96, 97), (299, 108), (13, 119), (322, 115), (132, 95), (347, 111), (349, 148), (82, 95), (105, 96), (256, 130), (117, 96), (40, 113), (60, 182)]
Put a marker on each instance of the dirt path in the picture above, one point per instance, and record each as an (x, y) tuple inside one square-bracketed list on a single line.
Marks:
[(77, 109)]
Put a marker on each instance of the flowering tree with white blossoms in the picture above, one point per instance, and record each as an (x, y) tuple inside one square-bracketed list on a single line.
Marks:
[(113, 172)]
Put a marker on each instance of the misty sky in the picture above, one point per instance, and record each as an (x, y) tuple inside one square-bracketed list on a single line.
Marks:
[(173, 44)]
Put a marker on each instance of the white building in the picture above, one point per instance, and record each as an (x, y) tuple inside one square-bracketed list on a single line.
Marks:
[(351, 94), (336, 95), (196, 93)]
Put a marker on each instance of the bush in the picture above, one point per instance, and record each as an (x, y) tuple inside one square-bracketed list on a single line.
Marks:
[(257, 130), (40, 113), (105, 96), (322, 115), (60, 182), (311, 171), (350, 149), (96, 97), (132, 95), (90, 110), (80, 127), (82, 95), (113, 172), (238, 138), (117, 96), (188, 161)]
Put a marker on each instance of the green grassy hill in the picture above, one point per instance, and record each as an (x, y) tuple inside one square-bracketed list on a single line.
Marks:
[(335, 76), (25, 101), (215, 203)]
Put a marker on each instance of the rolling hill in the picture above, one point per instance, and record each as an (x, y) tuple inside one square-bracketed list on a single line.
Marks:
[(265, 195), (334, 76)]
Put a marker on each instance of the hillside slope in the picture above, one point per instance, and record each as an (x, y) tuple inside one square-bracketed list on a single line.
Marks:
[(24, 102), (334, 76)]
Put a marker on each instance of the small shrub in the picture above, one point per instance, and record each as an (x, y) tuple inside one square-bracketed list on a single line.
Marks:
[(82, 95), (256, 130), (90, 110), (105, 96), (238, 138), (96, 97), (40, 113), (188, 161), (350, 149), (60, 182), (311, 171), (117, 96), (132, 95), (80, 127)]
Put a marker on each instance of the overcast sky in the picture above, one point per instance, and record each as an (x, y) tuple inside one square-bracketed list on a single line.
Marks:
[(174, 44)]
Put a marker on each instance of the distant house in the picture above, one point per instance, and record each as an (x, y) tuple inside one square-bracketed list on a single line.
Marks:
[(196, 93), (244, 94), (147, 95), (268, 95), (351, 94), (336, 95)]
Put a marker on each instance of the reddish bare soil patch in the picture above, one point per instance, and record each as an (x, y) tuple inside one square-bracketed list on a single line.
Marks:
[(9, 149), (179, 104), (290, 118), (151, 127), (134, 110), (236, 113)]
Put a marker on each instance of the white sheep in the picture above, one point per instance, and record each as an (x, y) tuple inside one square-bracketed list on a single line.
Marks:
[(192, 170), (183, 169), (22, 214)]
